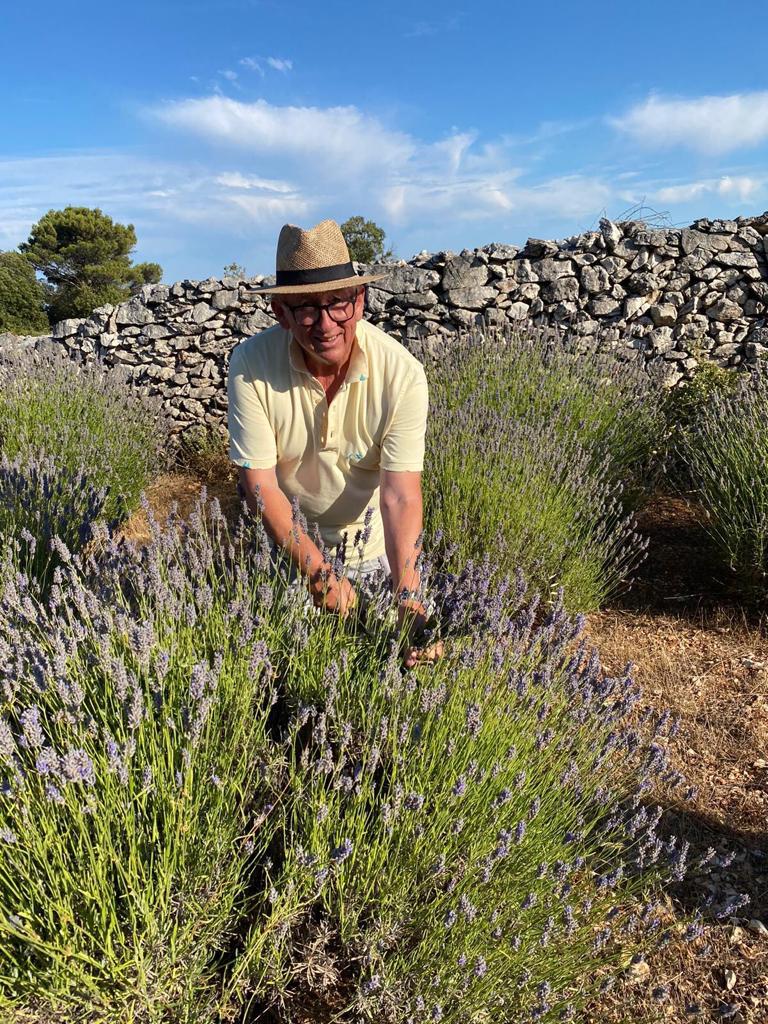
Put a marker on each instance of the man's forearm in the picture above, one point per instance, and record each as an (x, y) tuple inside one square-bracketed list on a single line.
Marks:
[(403, 523)]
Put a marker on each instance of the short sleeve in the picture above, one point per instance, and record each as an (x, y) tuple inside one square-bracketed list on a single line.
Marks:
[(402, 447), (251, 436)]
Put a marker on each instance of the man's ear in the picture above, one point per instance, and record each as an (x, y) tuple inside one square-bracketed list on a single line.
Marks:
[(279, 311)]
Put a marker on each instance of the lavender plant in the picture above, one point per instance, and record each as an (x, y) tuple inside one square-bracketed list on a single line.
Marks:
[(538, 377), (45, 509), (90, 418), (134, 760), (725, 452), (468, 843), (215, 800), (518, 467)]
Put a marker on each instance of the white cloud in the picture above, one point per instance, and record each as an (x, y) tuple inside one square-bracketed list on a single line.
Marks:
[(341, 137), (231, 76), (252, 65), (738, 187), (234, 179), (280, 64), (144, 192), (709, 124)]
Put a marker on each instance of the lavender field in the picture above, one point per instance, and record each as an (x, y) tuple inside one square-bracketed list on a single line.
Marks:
[(221, 805)]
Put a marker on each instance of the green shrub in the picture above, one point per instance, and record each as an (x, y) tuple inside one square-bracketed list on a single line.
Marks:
[(684, 405), (216, 797), (87, 417), (532, 453), (725, 452)]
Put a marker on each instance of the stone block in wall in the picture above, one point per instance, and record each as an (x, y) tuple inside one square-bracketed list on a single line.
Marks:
[(153, 294), (252, 324), (133, 313), (664, 315), (401, 280), (518, 311), (616, 269), (464, 273), (753, 351), (564, 289), (552, 270), (642, 283), (501, 252), (595, 280), (662, 340), (724, 311), (664, 373), (475, 298), (604, 306), (201, 312), (66, 328), (420, 300), (736, 259), (225, 299)]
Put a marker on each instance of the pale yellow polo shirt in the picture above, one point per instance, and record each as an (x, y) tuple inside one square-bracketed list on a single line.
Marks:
[(329, 457)]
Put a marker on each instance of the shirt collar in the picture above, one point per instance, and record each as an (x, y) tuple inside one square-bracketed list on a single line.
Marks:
[(357, 371)]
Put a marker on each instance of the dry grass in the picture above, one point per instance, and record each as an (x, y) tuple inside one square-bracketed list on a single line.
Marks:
[(698, 653)]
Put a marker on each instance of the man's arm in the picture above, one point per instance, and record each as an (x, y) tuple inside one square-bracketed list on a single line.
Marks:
[(266, 499), (402, 515)]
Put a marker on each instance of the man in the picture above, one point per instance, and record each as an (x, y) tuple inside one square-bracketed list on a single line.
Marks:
[(328, 410)]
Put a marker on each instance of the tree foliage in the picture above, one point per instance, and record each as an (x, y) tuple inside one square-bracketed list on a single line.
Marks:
[(235, 269), (22, 296), (365, 240), (86, 258)]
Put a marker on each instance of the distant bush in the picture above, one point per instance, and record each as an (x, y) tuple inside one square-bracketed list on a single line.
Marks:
[(88, 418), (533, 454), (725, 452), (216, 798)]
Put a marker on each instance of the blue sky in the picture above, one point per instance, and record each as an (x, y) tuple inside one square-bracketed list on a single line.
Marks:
[(210, 124)]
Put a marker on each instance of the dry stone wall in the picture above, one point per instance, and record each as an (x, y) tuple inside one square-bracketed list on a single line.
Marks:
[(665, 298)]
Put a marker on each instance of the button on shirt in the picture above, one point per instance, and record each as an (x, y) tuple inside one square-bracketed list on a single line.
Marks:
[(328, 456)]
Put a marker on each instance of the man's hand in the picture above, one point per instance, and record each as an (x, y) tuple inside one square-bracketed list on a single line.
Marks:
[(416, 616), (333, 595)]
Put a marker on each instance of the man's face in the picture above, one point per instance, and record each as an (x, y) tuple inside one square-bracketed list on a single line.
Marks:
[(326, 343)]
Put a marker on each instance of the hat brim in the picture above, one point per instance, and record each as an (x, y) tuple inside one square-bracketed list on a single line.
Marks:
[(320, 286)]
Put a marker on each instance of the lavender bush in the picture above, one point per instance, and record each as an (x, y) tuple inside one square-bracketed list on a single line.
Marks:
[(90, 418), (725, 452), (528, 455), (44, 509), (215, 800), (134, 761)]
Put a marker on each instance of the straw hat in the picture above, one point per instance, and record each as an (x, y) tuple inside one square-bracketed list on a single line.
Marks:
[(314, 261)]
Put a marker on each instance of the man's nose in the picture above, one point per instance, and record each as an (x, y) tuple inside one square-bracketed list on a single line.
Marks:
[(324, 321)]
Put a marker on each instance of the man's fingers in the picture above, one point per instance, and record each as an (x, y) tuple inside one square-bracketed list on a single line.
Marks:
[(419, 655)]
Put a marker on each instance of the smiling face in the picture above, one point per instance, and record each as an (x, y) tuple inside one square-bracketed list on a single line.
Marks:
[(326, 345)]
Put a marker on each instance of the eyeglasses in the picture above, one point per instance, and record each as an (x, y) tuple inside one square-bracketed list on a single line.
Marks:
[(340, 310)]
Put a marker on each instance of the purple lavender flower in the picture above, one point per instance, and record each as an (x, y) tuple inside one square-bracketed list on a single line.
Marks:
[(77, 766), (32, 730), (8, 749), (340, 853), (473, 719), (459, 787)]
